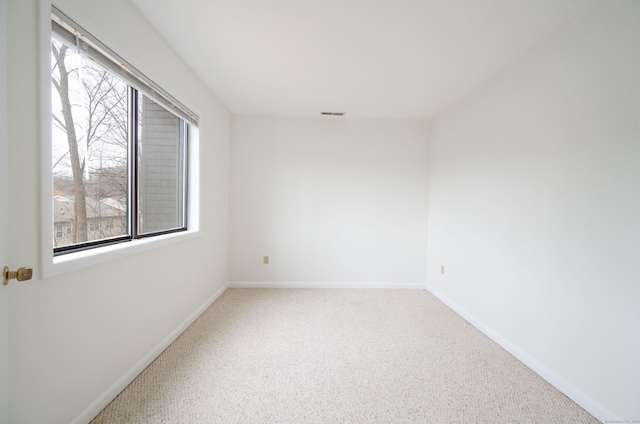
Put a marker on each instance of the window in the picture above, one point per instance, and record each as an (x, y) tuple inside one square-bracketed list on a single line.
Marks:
[(119, 146)]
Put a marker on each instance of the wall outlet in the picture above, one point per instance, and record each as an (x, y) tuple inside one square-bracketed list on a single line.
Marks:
[(265, 260), (442, 269)]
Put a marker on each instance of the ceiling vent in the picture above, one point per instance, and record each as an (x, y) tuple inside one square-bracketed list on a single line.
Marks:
[(332, 113)]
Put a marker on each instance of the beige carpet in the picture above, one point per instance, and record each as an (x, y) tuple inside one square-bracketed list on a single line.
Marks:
[(337, 356)]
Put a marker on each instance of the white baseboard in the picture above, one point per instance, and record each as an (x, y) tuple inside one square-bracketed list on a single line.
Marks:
[(103, 400), (572, 392), (321, 285)]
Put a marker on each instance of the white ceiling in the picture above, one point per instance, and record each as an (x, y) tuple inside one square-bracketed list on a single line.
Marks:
[(368, 58)]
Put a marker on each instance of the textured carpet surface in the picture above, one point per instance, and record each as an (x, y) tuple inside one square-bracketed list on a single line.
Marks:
[(337, 356)]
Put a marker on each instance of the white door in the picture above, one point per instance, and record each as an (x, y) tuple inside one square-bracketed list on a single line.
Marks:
[(4, 290), (4, 227)]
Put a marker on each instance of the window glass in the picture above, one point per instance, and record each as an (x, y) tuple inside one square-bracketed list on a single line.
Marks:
[(161, 168), (89, 146)]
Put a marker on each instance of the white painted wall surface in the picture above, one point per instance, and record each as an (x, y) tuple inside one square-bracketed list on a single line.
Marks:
[(74, 339), (534, 207), (330, 200)]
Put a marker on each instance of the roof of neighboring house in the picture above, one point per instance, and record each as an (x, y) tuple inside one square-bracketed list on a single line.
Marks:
[(63, 208)]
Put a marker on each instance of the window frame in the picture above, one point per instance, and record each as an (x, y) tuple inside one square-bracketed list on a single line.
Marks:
[(134, 213), (52, 265), (135, 174)]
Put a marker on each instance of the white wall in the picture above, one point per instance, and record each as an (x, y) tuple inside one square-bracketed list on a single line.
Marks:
[(330, 200), (76, 338), (534, 208)]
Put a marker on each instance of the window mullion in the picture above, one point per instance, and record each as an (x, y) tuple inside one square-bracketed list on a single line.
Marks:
[(134, 147)]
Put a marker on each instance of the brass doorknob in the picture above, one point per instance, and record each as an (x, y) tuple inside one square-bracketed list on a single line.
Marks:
[(21, 274)]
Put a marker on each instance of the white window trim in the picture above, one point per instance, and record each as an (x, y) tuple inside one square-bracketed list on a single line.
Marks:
[(56, 265)]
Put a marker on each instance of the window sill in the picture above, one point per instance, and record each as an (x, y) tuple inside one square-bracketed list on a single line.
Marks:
[(78, 260)]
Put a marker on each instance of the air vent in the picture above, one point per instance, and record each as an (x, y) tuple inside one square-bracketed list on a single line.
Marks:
[(332, 113)]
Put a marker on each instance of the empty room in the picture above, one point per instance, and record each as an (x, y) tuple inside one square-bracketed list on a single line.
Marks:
[(299, 211)]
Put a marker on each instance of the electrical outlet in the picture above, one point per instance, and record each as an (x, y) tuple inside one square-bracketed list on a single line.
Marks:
[(265, 260)]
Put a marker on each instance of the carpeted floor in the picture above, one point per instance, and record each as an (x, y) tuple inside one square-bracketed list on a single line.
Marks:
[(337, 356)]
